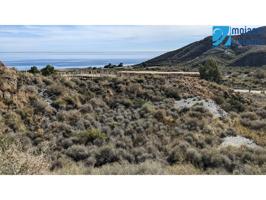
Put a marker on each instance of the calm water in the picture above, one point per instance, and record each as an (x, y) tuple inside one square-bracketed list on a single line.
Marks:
[(25, 60)]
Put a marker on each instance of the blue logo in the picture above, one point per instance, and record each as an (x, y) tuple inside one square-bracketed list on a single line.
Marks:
[(221, 35)]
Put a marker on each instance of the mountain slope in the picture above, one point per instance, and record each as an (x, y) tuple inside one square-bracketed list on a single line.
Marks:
[(237, 55)]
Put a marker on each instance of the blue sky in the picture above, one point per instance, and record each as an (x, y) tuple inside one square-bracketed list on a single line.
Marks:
[(98, 38)]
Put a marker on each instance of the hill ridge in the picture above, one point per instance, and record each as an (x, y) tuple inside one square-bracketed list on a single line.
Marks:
[(198, 52)]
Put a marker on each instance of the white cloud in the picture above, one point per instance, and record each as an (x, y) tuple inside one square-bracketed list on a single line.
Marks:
[(98, 38)]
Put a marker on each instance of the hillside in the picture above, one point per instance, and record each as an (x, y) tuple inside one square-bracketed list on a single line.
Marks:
[(136, 125), (198, 52), (1, 64)]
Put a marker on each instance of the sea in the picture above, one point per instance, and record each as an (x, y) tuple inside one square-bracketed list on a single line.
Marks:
[(64, 60)]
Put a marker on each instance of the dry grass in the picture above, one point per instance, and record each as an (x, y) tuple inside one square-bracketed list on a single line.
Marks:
[(184, 169), (258, 136), (14, 160)]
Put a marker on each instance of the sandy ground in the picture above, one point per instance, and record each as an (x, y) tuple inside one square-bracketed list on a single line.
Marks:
[(208, 104), (238, 141), (251, 91)]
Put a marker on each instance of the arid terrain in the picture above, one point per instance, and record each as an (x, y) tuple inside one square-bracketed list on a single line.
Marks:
[(146, 124)]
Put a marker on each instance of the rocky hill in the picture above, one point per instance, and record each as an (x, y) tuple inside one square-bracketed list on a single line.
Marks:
[(237, 55)]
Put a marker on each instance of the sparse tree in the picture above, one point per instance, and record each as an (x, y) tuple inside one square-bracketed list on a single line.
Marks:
[(48, 70), (34, 70), (210, 71), (108, 66)]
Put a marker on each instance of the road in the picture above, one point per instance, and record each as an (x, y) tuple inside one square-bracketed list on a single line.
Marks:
[(250, 91)]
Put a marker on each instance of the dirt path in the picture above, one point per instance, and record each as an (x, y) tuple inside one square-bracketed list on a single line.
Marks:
[(250, 91)]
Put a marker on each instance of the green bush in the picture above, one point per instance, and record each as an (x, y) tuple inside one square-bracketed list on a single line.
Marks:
[(34, 70), (91, 135), (48, 70), (210, 71), (148, 107)]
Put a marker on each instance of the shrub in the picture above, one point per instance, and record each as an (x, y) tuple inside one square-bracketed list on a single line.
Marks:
[(260, 74), (71, 116), (175, 156), (109, 66), (194, 156), (48, 70), (249, 115), (55, 90), (210, 71), (146, 168), (77, 152), (148, 107), (219, 100), (106, 155), (40, 105), (216, 159), (256, 124), (14, 121), (86, 108), (261, 113), (15, 160), (91, 135), (66, 143), (34, 70), (160, 114), (73, 100), (192, 124), (172, 92), (126, 102), (236, 105), (59, 104)]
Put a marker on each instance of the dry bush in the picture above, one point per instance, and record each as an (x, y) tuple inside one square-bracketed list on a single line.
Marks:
[(146, 168), (176, 156), (106, 154), (14, 160), (14, 121), (183, 169), (55, 90), (41, 106), (70, 117), (255, 124), (194, 156), (261, 113), (172, 92), (148, 107), (249, 115), (68, 167), (90, 136), (77, 152)]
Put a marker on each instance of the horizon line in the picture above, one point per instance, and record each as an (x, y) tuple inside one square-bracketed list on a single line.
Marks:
[(83, 51)]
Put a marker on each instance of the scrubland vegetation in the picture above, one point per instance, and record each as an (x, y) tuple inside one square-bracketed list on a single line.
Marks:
[(125, 125)]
